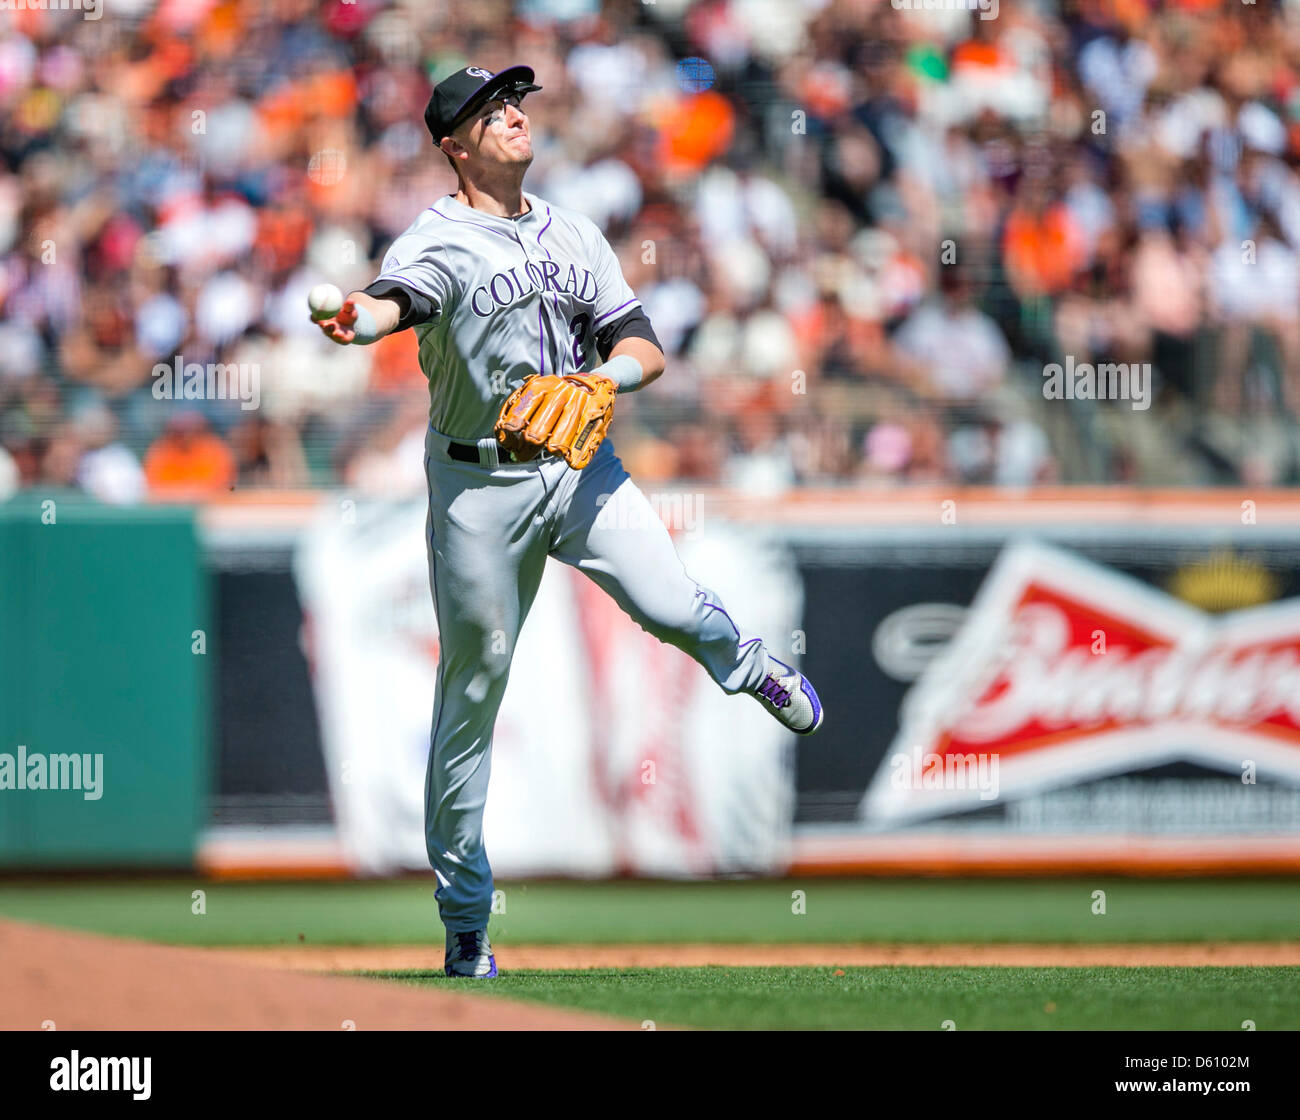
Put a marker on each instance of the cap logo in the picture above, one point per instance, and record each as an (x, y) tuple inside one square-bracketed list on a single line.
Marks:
[(478, 72)]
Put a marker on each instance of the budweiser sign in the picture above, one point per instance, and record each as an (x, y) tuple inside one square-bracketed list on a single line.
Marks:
[(1065, 671)]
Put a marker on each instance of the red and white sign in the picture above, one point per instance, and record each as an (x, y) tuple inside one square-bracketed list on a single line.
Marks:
[(1065, 671)]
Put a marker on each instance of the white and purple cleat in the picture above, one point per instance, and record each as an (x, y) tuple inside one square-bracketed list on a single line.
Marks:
[(470, 955), (789, 696)]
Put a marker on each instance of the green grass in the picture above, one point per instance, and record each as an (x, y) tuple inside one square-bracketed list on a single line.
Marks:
[(403, 912), (901, 998), (918, 911)]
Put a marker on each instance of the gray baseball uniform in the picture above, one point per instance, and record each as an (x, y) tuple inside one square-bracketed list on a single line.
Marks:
[(493, 300)]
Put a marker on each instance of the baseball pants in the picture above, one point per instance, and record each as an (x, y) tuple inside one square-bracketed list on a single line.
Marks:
[(489, 531)]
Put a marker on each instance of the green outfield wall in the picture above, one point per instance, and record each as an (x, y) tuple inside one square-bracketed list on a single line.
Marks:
[(105, 647)]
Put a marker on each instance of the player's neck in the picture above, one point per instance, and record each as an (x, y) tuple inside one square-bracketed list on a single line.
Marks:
[(501, 200)]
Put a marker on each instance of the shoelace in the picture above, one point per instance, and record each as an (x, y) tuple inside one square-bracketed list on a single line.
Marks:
[(773, 693), (467, 947)]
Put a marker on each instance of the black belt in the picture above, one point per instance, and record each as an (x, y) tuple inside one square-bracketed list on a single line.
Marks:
[(464, 452), (468, 453)]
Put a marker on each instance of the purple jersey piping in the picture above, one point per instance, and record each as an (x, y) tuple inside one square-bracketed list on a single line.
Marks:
[(616, 310), (467, 222), (555, 296)]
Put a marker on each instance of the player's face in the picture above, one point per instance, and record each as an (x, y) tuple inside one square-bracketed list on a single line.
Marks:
[(500, 133)]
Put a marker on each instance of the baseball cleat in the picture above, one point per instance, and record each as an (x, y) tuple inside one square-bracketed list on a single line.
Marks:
[(470, 955), (789, 696)]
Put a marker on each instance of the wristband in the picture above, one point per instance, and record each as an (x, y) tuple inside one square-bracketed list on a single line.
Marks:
[(365, 328), (625, 371)]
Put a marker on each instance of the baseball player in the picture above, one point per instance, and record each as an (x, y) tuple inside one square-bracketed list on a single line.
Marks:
[(514, 300)]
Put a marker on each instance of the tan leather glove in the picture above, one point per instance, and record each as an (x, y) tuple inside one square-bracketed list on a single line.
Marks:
[(566, 416)]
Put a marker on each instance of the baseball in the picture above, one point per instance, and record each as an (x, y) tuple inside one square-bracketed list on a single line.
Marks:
[(325, 301)]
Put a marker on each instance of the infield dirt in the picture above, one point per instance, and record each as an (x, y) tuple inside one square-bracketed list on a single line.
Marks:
[(86, 981), (78, 981)]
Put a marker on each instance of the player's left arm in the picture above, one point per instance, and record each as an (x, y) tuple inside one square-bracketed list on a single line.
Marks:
[(644, 352)]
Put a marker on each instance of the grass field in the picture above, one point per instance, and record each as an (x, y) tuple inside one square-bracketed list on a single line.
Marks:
[(928, 911), (909, 998), (763, 912)]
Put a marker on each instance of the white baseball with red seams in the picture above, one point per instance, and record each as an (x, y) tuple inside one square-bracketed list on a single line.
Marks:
[(325, 301)]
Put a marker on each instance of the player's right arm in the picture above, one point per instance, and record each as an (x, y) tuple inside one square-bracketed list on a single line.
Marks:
[(384, 316), (414, 286)]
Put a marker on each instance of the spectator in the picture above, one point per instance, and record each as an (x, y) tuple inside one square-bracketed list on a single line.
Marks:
[(267, 453), (889, 211), (188, 461), (107, 469), (962, 351)]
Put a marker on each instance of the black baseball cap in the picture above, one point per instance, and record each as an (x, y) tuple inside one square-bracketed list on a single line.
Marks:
[(458, 96)]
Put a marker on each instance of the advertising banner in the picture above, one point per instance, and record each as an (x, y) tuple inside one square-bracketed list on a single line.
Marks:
[(1145, 703), (1055, 692), (1065, 671)]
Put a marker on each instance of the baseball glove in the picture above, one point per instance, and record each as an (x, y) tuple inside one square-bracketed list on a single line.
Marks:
[(566, 416)]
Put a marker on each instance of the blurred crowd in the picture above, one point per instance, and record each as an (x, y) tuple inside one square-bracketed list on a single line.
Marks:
[(861, 231)]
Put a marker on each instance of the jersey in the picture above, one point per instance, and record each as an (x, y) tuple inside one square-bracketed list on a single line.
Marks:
[(508, 297)]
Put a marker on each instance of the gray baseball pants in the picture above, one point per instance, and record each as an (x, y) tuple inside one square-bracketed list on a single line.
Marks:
[(490, 529)]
